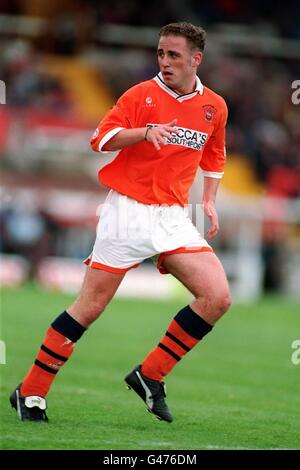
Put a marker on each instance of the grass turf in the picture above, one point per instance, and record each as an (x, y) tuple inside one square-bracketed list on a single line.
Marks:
[(237, 390)]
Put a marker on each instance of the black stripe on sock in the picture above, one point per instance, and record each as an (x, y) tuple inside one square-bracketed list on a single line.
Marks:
[(192, 323), (68, 327), (169, 351), (176, 340), (53, 354), (44, 367)]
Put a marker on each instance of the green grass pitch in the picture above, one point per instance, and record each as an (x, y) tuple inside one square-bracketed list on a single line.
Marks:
[(238, 389)]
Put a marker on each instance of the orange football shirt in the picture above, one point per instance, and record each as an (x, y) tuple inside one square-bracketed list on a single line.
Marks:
[(164, 176)]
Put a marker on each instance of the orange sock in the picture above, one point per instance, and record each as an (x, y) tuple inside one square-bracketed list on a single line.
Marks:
[(184, 332), (57, 347), (54, 352)]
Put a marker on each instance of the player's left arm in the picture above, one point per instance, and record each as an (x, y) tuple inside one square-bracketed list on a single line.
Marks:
[(209, 197), (212, 165)]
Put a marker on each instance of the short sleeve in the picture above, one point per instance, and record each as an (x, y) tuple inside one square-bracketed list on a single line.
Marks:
[(121, 116), (214, 153)]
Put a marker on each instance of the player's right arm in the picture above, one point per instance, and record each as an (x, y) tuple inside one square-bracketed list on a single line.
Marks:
[(156, 135), (121, 126)]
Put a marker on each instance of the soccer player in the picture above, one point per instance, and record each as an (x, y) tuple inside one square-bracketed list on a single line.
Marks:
[(163, 129)]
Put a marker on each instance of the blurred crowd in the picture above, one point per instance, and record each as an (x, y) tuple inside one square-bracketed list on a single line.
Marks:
[(274, 15), (34, 227), (263, 126), (28, 86), (26, 231), (281, 16), (263, 122)]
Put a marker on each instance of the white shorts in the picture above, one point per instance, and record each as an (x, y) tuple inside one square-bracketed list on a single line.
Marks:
[(129, 231)]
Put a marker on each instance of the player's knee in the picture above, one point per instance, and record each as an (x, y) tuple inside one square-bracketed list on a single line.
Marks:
[(224, 302), (216, 302)]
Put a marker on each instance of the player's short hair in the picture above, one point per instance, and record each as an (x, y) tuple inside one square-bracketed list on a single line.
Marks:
[(195, 35)]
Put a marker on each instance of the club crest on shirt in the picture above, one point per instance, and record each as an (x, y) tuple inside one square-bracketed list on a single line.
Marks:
[(209, 112)]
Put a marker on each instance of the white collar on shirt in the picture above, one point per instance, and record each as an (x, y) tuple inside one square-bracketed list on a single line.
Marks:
[(199, 88)]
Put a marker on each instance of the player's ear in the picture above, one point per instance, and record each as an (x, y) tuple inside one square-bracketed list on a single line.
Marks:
[(197, 58)]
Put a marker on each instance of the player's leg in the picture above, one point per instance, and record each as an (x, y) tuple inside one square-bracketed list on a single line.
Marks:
[(98, 288), (203, 274), (204, 277)]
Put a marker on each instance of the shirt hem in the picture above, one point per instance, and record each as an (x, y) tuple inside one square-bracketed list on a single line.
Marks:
[(138, 198)]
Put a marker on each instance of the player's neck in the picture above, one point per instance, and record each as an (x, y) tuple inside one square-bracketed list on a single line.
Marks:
[(186, 88)]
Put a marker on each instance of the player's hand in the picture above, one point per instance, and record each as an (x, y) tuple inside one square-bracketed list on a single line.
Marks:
[(158, 135), (210, 210)]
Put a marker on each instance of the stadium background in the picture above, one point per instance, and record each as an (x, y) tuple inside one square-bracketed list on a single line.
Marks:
[(64, 63)]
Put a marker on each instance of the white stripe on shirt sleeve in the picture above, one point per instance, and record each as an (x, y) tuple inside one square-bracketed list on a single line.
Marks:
[(213, 174), (107, 137)]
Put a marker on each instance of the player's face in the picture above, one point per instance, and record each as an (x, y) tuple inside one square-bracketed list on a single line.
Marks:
[(178, 63)]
